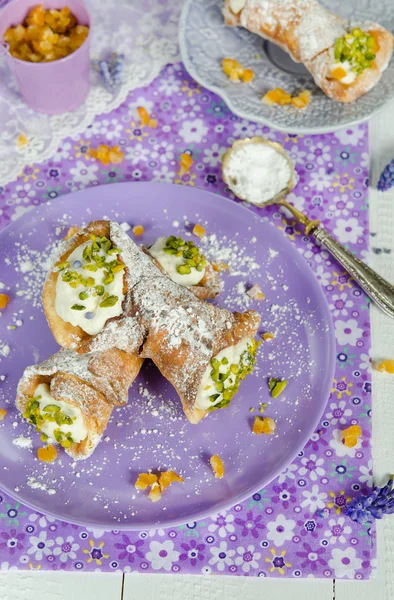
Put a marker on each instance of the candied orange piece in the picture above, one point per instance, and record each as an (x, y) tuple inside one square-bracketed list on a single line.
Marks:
[(351, 435), (277, 96), (145, 118), (221, 266), (36, 16), (255, 292), (339, 73), (47, 454), (199, 230), (232, 68), (22, 140), (4, 300), (155, 493), (217, 466), (268, 336), (101, 153), (138, 229), (15, 35), (263, 425), (386, 366), (168, 477), (116, 156), (186, 163), (302, 99), (247, 76), (71, 231), (3, 413), (145, 480)]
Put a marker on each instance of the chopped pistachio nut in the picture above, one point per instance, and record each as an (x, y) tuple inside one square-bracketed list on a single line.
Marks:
[(276, 386), (358, 48), (188, 251), (50, 413), (227, 383), (93, 262)]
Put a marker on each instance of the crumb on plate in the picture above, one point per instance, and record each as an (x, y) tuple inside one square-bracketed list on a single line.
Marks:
[(255, 292)]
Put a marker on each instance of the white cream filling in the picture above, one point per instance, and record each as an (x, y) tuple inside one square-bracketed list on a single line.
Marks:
[(350, 76), (207, 386), (78, 428), (66, 296), (237, 5), (170, 262)]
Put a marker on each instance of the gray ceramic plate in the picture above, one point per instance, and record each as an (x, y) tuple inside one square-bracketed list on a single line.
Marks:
[(205, 40)]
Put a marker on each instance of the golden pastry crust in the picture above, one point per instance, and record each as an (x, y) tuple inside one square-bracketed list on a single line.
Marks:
[(93, 383), (320, 68)]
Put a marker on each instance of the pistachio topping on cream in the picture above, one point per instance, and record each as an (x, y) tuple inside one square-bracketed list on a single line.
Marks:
[(89, 288), (56, 420), (181, 260), (352, 54), (223, 376)]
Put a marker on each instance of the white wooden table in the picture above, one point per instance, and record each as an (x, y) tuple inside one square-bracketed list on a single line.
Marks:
[(112, 586)]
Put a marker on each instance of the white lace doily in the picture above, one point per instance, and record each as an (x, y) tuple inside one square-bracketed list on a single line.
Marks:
[(145, 32)]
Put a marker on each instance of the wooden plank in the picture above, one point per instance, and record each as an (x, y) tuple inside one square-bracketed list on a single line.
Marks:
[(179, 587), (47, 585)]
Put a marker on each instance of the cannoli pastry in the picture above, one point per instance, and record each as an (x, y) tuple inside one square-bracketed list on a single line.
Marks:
[(69, 398), (86, 288), (204, 351), (345, 61), (185, 264)]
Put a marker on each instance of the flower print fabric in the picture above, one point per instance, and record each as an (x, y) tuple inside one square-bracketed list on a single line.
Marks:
[(295, 527)]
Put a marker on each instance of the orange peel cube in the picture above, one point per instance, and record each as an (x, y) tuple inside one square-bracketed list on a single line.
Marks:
[(302, 100), (145, 118), (248, 75), (138, 230), (47, 454), (350, 435), (386, 366), (186, 163), (277, 96), (3, 413), (168, 477), (339, 73), (217, 466), (199, 230), (232, 68), (265, 425), (22, 140), (116, 156), (155, 493), (145, 480), (4, 300), (36, 16)]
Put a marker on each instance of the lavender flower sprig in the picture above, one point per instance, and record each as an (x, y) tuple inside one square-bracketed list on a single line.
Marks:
[(111, 70), (386, 180), (380, 502)]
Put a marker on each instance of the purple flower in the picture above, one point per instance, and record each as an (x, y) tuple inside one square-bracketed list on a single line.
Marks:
[(309, 525), (250, 524), (284, 494), (12, 541), (192, 551), (380, 502), (386, 180), (129, 549), (311, 557), (317, 440)]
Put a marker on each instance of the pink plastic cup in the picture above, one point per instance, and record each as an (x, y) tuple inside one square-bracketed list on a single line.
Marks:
[(49, 87)]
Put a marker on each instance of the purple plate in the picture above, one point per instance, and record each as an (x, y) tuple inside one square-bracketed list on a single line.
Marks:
[(151, 432)]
